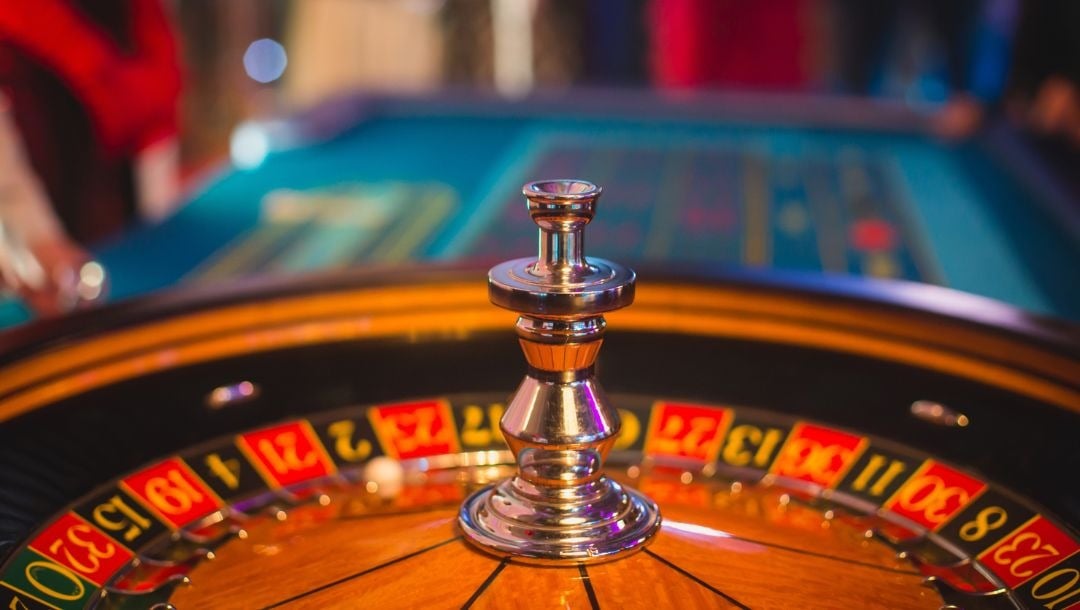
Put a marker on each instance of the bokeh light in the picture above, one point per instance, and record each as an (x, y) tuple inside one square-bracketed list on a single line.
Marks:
[(248, 145), (265, 60)]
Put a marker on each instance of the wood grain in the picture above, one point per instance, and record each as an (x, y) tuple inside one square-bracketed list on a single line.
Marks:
[(443, 578), (277, 562), (743, 550), (540, 587)]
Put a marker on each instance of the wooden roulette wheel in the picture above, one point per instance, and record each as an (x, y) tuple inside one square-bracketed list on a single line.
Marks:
[(768, 442)]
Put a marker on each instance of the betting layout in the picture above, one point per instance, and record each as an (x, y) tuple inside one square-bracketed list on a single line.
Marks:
[(954, 525), (839, 211)]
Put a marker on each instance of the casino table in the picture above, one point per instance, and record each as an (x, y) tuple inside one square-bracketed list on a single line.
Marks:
[(352, 437), (308, 443), (810, 185)]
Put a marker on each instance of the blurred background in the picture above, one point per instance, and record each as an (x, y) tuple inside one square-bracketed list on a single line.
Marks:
[(963, 58), (114, 114)]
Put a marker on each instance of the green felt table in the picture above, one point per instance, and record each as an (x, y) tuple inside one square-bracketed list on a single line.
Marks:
[(813, 186)]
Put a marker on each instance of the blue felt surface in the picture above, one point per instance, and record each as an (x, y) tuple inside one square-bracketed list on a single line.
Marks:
[(976, 228)]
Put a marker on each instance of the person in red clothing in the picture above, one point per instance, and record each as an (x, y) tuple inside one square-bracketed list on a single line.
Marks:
[(763, 45), (89, 91)]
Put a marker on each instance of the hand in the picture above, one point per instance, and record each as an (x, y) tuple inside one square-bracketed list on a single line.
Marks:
[(38, 261), (53, 277), (1056, 109), (959, 118)]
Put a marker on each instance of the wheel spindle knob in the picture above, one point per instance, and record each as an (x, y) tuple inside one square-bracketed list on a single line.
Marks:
[(560, 424), (562, 208)]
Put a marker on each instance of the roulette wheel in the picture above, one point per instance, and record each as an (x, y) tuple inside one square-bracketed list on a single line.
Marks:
[(357, 441)]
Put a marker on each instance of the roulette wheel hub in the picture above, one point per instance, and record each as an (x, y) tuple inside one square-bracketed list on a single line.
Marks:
[(559, 423), (796, 438)]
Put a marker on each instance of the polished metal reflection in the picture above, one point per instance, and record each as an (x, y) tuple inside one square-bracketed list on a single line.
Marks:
[(561, 282), (559, 424), (553, 412), (938, 414), (232, 394)]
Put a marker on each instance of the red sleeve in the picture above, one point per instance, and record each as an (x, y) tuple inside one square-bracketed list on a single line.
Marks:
[(131, 98), (155, 77), (730, 43)]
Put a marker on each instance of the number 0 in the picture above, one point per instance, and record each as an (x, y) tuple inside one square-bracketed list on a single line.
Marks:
[(37, 566)]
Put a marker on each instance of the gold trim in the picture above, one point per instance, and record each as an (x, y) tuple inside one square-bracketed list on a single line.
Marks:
[(462, 308), (561, 357), (270, 313)]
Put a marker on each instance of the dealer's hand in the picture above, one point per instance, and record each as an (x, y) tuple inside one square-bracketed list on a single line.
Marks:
[(38, 261), (1056, 109)]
